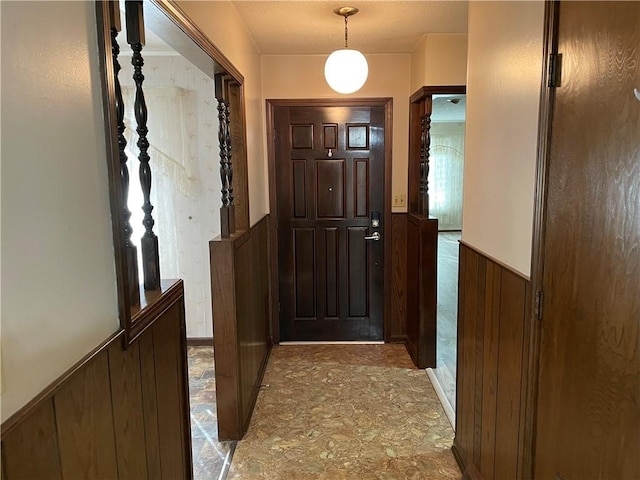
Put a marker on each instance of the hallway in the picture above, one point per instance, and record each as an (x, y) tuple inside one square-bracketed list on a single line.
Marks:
[(345, 411)]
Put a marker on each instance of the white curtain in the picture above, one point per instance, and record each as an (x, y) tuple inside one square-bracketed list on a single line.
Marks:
[(445, 174), (182, 217)]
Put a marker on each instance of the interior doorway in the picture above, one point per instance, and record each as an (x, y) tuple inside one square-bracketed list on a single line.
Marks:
[(445, 183), (329, 177)]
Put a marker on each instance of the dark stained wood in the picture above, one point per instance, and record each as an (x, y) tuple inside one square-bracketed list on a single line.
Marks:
[(330, 188), (241, 309), (513, 299), (150, 405), (493, 306), (30, 451), (99, 419), (299, 176), (149, 240), (490, 369), (239, 181), (422, 284), (330, 136), (126, 398), (84, 422), (361, 187), (399, 278), (358, 276), (419, 116), (275, 264), (332, 291), (167, 363), (589, 374), (340, 190), (105, 20), (130, 249), (304, 271)]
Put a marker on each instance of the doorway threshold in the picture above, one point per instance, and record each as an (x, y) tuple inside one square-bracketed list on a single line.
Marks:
[(356, 342), (448, 409)]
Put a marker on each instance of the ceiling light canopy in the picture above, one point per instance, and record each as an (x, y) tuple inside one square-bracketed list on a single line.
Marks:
[(346, 70)]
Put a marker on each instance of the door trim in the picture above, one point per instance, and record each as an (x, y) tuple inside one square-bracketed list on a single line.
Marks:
[(532, 330), (271, 104)]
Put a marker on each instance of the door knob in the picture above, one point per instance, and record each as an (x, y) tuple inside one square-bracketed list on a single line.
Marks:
[(375, 236)]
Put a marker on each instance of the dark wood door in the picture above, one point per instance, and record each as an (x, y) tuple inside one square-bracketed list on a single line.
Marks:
[(330, 189), (588, 414)]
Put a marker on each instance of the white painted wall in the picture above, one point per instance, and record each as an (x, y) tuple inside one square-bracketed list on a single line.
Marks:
[(503, 94), (58, 277), (439, 59), (221, 22), (302, 76)]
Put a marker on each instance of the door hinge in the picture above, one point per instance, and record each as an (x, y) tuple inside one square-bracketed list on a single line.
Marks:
[(539, 300), (555, 70)]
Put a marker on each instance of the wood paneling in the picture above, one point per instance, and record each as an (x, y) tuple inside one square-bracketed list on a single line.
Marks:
[(97, 420), (492, 315), (398, 277), (237, 127), (242, 340), (126, 396), (30, 451), (588, 402), (85, 425), (422, 262)]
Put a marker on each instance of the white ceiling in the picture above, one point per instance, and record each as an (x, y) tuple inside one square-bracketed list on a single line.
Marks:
[(311, 27)]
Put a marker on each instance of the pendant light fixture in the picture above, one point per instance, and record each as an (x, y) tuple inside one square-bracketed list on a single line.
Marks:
[(346, 69)]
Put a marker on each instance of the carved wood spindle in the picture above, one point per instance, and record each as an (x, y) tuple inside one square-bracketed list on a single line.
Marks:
[(232, 221), (423, 206), (149, 241), (227, 220), (131, 252)]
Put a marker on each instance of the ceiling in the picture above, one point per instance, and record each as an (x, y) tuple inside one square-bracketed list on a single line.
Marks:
[(311, 27)]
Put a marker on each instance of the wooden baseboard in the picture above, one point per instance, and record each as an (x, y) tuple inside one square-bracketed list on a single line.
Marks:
[(398, 339), (200, 342)]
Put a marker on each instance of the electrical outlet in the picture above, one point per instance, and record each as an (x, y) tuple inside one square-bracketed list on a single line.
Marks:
[(399, 200)]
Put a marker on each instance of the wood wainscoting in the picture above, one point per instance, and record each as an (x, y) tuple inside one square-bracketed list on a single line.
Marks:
[(493, 316), (241, 319), (422, 281), (398, 324), (117, 413)]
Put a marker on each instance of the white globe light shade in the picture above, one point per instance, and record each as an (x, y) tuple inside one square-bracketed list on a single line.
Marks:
[(346, 70)]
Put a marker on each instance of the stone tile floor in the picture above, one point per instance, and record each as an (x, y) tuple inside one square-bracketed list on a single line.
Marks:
[(345, 412), (209, 455), (329, 412)]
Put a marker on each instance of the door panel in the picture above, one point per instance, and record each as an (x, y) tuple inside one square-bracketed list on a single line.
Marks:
[(588, 413), (329, 179)]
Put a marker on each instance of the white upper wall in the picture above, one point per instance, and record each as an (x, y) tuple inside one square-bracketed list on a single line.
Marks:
[(503, 96), (439, 59), (58, 276), (302, 76), (221, 22)]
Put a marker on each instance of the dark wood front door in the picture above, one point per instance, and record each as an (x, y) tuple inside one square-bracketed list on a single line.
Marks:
[(330, 190), (588, 415)]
